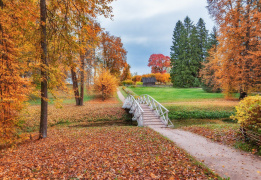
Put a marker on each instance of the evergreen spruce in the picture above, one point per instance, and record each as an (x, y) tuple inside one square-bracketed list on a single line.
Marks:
[(203, 39), (176, 54), (186, 54)]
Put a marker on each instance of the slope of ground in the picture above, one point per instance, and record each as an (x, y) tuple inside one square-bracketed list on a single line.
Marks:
[(100, 153)]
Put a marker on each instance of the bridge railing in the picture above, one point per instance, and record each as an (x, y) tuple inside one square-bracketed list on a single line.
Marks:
[(161, 111), (132, 104)]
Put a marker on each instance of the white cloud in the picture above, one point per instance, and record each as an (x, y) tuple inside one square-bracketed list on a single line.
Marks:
[(126, 10), (146, 26), (134, 39)]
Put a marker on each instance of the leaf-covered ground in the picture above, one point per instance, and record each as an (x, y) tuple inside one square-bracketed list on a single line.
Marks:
[(100, 153), (223, 133), (93, 112)]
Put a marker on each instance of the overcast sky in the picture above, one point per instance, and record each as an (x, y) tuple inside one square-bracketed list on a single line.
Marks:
[(146, 26)]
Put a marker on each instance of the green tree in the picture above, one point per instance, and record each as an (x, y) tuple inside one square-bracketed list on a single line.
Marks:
[(203, 39), (176, 54), (185, 55)]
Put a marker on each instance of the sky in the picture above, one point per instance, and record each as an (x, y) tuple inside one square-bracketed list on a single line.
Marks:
[(146, 26)]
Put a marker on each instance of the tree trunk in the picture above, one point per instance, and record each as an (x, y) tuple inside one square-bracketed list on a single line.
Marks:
[(75, 87), (242, 95), (82, 80), (44, 75)]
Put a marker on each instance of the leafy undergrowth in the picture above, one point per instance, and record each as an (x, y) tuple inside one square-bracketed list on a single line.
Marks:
[(204, 110), (178, 123), (93, 112), (100, 153), (223, 133)]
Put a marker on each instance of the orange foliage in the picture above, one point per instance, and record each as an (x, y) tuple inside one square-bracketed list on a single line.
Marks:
[(162, 78), (13, 87), (126, 74), (136, 78), (106, 84), (101, 153), (114, 54), (237, 60)]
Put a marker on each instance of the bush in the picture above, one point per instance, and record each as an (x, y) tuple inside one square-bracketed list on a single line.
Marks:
[(248, 113), (106, 84), (136, 78), (127, 82), (139, 83)]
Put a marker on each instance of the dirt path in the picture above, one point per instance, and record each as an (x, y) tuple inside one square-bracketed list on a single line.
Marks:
[(224, 160), (121, 97)]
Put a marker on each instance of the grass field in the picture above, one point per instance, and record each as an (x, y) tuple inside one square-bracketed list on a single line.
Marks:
[(169, 94), (191, 106), (64, 97)]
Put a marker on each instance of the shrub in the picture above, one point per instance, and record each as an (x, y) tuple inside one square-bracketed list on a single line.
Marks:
[(139, 83), (127, 82), (106, 84), (136, 78), (248, 113)]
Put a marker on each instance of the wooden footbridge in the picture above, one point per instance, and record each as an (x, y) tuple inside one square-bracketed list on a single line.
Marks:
[(147, 111)]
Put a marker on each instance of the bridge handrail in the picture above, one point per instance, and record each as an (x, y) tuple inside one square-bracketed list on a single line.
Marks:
[(132, 104), (161, 111)]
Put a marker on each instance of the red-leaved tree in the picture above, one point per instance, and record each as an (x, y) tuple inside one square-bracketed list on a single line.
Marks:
[(159, 63)]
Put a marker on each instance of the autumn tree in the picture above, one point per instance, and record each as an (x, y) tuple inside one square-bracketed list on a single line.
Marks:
[(126, 74), (69, 21), (136, 78), (237, 60), (113, 52), (209, 82), (14, 88), (159, 63), (106, 84)]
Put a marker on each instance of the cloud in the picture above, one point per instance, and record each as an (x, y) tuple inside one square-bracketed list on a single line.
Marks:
[(146, 26), (127, 10)]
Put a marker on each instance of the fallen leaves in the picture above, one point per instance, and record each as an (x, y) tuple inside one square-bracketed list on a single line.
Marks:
[(225, 134), (100, 153), (93, 111)]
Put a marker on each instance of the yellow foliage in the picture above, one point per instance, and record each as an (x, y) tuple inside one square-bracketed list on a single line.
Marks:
[(127, 82), (248, 113), (106, 84)]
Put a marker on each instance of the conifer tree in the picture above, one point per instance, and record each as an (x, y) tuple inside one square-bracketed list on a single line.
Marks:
[(203, 39), (185, 55), (176, 55)]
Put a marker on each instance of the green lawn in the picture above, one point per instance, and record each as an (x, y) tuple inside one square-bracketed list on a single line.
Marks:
[(168, 94), (65, 97), (191, 106)]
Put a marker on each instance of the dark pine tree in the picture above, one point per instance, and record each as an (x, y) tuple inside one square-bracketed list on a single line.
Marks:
[(185, 53), (195, 57), (177, 49)]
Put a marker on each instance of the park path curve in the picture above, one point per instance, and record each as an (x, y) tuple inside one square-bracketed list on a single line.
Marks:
[(121, 97), (224, 160)]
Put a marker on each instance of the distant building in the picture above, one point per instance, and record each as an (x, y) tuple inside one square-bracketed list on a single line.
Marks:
[(150, 81)]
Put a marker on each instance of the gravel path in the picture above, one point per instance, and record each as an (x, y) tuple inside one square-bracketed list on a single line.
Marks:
[(121, 97), (224, 160)]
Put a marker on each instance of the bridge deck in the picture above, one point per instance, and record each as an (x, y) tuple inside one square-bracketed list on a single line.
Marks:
[(150, 118)]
